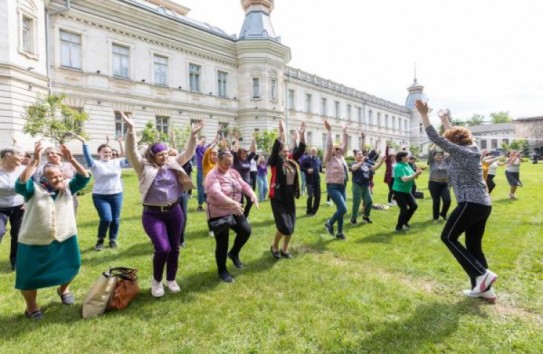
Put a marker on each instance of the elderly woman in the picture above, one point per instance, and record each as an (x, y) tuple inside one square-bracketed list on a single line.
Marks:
[(474, 206), (107, 191), (242, 164), (161, 182), (284, 187), (48, 253), (224, 187), (404, 177), (337, 174), (438, 184), (11, 203), (362, 171), (262, 178)]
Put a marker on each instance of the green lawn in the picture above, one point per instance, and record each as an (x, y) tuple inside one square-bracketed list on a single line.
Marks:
[(379, 291)]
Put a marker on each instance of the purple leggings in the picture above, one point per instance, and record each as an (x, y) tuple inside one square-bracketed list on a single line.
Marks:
[(164, 230)]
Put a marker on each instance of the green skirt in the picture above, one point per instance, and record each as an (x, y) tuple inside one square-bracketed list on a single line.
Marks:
[(45, 266)]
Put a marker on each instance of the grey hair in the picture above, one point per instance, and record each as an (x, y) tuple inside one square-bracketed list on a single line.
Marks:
[(12, 150)]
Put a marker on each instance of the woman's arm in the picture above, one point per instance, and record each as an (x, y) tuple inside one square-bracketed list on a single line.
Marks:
[(215, 194), (132, 154), (67, 155), (121, 147), (376, 167), (86, 152), (190, 148), (328, 145), (33, 165)]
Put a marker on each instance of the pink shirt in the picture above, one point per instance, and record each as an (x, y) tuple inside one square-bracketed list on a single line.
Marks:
[(221, 188)]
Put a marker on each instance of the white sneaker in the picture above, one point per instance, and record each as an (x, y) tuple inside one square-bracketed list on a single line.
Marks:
[(392, 204), (157, 289), (482, 282), (211, 234), (488, 295), (173, 286), (329, 203)]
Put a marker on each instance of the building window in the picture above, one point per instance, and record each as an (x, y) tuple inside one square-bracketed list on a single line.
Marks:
[(309, 138), (336, 109), (494, 143), (420, 128), (194, 77), (308, 102), (483, 144), (121, 61), (160, 65), (28, 34), (70, 50), (324, 107), (162, 124), (349, 143), (378, 119), (273, 89), (120, 126), (405, 127), (323, 137), (386, 121), (290, 99), (359, 114), (370, 117), (349, 112), (221, 83), (256, 87)]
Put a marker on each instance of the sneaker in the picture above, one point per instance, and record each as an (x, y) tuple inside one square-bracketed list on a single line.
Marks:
[(392, 203), (399, 229), (235, 260), (512, 197), (367, 219), (488, 295), (226, 277), (113, 244), (172, 286), (157, 289), (482, 282), (406, 227), (329, 228), (211, 234), (341, 236), (99, 246), (182, 245), (353, 221), (329, 203)]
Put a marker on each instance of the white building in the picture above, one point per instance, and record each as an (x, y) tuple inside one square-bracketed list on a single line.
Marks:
[(148, 58), (492, 136)]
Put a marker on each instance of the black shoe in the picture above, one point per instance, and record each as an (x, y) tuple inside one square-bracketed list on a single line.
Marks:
[(329, 228), (235, 260), (367, 219), (99, 245), (226, 277), (353, 221), (276, 254), (286, 255), (13, 266), (113, 244), (399, 229), (444, 217), (200, 208), (341, 236)]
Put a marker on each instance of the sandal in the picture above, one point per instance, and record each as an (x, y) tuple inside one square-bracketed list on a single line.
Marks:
[(34, 315), (67, 299), (276, 254)]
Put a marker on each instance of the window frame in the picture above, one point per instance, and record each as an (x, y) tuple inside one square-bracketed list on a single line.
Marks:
[(195, 78), (121, 56), (70, 47), (165, 66)]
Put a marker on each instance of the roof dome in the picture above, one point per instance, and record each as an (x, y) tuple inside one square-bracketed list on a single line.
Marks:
[(257, 23), (415, 93)]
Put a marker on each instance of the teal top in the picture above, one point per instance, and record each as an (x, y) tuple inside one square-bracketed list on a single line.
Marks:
[(402, 169), (27, 189)]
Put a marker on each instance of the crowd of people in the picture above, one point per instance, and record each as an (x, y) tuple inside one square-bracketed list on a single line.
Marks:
[(39, 199)]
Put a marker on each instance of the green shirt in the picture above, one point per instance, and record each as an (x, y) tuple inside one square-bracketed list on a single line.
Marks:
[(402, 169)]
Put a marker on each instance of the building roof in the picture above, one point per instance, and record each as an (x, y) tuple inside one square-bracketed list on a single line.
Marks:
[(529, 118), (491, 128), (415, 93)]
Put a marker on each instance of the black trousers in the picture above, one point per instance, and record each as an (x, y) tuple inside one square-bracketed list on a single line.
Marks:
[(490, 183), (407, 205), (243, 232), (15, 217), (468, 218), (313, 198), (440, 191), (390, 191)]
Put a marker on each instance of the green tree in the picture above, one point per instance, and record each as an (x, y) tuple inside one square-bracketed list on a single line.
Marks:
[(500, 117), (476, 119), (415, 150), (265, 140), (515, 145), (181, 136), (525, 147), (50, 117), (150, 134)]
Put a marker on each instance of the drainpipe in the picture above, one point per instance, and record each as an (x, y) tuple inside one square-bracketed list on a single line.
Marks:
[(48, 14)]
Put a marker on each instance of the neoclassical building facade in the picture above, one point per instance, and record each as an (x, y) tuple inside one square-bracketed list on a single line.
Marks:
[(147, 57)]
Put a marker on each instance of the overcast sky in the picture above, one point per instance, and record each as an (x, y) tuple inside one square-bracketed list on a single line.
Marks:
[(476, 56)]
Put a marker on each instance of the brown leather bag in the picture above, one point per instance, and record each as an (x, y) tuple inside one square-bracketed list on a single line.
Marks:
[(126, 288)]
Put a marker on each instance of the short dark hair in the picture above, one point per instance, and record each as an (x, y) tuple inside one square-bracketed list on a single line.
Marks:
[(103, 146), (400, 155)]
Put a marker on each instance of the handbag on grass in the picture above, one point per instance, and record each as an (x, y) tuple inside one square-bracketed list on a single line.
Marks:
[(126, 288), (98, 296), (222, 224)]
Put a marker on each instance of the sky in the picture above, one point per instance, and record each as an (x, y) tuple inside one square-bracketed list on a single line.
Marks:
[(473, 57)]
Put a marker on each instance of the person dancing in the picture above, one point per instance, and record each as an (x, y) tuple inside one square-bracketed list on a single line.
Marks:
[(362, 170), (336, 179), (474, 205), (404, 177), (512, 172), (438, 184), (311, 166), (284, 188), (161, 182)]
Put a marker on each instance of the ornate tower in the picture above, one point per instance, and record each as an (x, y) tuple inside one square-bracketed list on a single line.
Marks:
[(262, 59), (417, 133)]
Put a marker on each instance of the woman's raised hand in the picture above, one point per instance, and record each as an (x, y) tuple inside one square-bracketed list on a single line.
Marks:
[(128, 119), (66, 153), (327, 125), (197, 127), (422, 107), (301, 130)]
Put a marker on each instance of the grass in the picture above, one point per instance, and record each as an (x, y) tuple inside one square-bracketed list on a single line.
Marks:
[(376, 292)]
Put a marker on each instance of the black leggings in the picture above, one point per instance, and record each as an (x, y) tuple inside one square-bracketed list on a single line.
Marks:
[(468, 218), (407, 205), (490, 183), (390, 191), (243, 232), (15, 217), (440, 191)]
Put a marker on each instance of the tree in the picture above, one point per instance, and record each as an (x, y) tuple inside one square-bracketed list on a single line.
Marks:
[(50, 117), (500, 117), (525, 147), (150, 135), (265, 140), (476, 119), (181, 136), (415, 150), (515, 145)]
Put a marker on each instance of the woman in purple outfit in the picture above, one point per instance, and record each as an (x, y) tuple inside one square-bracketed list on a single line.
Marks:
[(161, 182)]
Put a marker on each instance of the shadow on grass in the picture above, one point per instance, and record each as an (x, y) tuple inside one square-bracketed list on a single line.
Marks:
[(113, 257), (430, 324)]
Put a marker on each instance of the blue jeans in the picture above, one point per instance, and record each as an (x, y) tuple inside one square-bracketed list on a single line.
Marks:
[(200, 186), (262, 182), (109, 209), (337, 194)]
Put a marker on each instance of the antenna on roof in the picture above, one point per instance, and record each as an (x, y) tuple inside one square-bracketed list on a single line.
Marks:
[(415, 71)]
